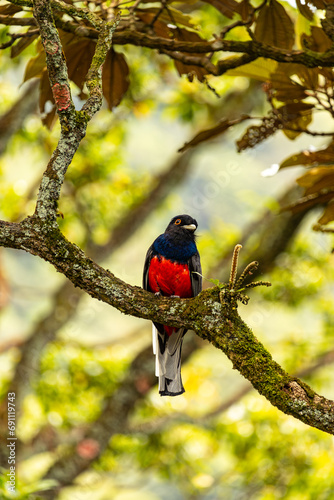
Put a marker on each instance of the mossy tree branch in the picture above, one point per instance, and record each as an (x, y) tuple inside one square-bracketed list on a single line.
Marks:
[(135, 32), (73, 123), (205, 314), (210, 318)]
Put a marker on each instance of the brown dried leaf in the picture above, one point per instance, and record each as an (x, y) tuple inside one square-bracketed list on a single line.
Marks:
[(245, 9), (50, 118), (304, 9), (35, 66), (160, 28), (317, 179), (115, 78), (189, 69), (328, 215), (321, 157), (274, 27), (9, 10), (212, 132), (79, 55), (261, 69), (321, 198), (295, 117), (258, 133), (168, 16), (317, 40), (45, 92), (226, 7), (45, 95), (319, 4), (285, 90), (22, 44)]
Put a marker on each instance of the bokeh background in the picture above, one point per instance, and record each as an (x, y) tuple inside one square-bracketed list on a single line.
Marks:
[(83, 372)]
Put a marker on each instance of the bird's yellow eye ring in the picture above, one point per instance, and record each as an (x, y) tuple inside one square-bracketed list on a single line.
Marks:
[(177, 222)]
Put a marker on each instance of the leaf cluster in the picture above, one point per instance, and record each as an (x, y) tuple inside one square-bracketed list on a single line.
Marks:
[(289, 50)]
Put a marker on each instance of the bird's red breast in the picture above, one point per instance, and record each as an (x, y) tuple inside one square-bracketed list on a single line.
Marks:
[(169, 278)]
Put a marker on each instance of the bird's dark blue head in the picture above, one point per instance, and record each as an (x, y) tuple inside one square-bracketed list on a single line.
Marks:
[(184, 223), (178, 241)]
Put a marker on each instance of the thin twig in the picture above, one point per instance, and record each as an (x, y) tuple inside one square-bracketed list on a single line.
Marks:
[(234, 266), (252, 266)]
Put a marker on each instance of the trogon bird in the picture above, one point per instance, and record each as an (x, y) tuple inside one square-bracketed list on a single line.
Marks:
[(171, 269)]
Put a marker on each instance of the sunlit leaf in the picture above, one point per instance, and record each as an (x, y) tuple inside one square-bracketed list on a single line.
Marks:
[(260, 69), (274, 27), (115, 78)]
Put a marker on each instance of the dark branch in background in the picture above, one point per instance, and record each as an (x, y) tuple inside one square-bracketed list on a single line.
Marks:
[(265, 241), (211, 319), (276, 232), (113, 420), (67, 297), (162, 186), (322, 360), (13, 119)]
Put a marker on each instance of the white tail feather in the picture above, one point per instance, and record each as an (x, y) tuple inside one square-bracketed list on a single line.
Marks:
[(168, 362), (155, 345), (154, 339)]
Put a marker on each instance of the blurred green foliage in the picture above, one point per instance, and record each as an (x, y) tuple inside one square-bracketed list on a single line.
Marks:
[(171, 449)]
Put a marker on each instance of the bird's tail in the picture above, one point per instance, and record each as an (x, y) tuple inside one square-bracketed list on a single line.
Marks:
[(167, 350)]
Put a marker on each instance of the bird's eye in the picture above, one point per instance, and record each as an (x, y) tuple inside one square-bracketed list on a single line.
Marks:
[(177, 222)]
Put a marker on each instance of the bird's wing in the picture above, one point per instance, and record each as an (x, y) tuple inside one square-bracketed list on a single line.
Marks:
[(148, 258), (196, 279)]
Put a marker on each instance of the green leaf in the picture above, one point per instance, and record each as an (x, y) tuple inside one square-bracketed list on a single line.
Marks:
[(260, 69)]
